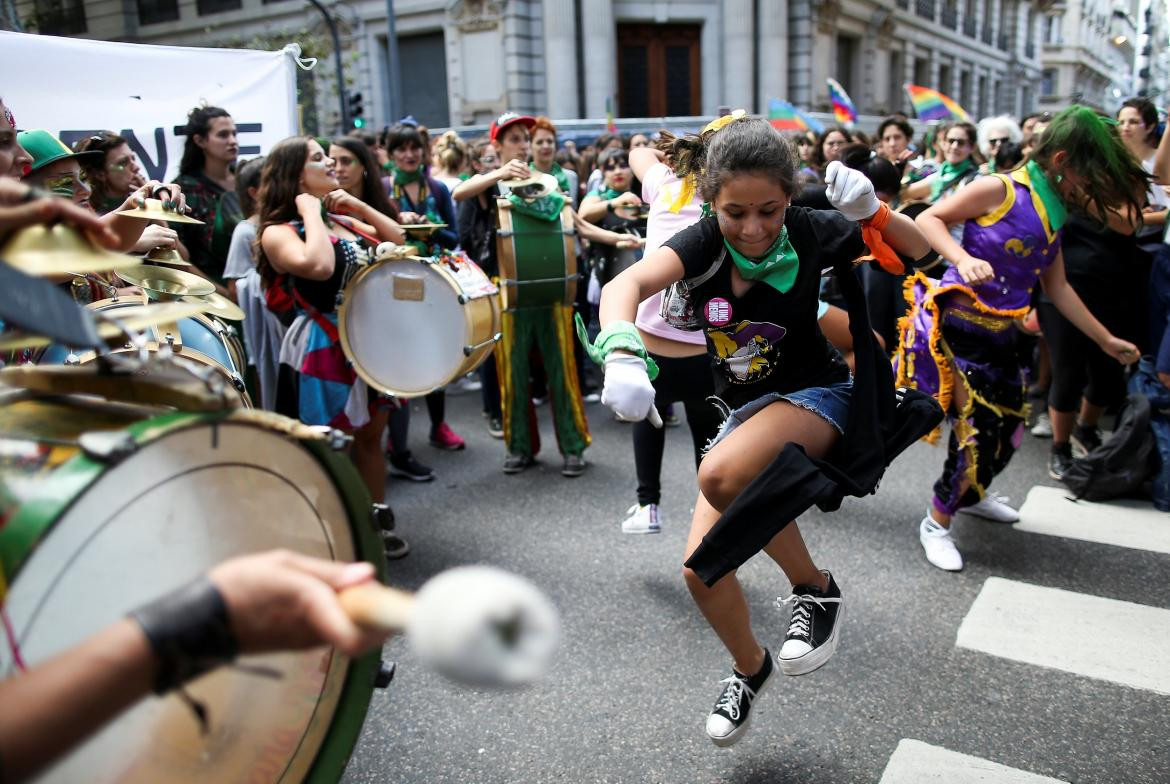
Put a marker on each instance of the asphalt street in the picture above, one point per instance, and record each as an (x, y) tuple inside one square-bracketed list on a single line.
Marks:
[(639, 669)]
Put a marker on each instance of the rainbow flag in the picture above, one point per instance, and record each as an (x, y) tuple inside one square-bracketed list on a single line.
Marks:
[(932, 105), (786, 117), (844, 112), (610, 125)]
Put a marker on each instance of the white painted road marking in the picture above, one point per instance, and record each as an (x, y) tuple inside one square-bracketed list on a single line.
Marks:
[(915, 762), (1092, 636), (1135, 524)]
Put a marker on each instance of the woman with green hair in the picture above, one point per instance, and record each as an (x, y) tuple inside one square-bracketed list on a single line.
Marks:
[(958, 341)]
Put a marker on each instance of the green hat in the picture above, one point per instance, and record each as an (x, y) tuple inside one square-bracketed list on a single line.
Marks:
[(45, 148)]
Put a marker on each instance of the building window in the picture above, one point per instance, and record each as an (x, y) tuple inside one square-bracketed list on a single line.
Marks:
[(60, 17), (426, 99), (647, 54), (1052, 25), (1048, 83), (206, 7), (155, 11)]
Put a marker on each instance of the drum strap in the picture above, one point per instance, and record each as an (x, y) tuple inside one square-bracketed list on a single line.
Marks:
[(349, 224), (316, 315)]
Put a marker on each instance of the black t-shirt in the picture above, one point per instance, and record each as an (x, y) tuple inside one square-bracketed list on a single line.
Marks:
[(766, 341)]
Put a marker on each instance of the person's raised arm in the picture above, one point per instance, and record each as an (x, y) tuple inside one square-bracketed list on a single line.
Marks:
[(642, 159), (374, 221), (979, 198), (512, 170), (310, 258), (851, 192)]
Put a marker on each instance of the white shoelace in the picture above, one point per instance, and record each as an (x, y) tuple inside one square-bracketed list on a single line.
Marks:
[(730, 700), (801, 620)]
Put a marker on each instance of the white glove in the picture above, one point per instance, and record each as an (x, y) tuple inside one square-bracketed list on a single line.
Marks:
[(850, 191), (627, 390)]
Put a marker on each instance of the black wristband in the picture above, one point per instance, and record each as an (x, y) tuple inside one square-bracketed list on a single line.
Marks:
[(189, 632), (609, 205)]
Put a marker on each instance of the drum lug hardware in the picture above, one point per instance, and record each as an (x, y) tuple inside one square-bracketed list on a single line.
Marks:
[(469, 350), (108, 446), (336, 439), (464, 299), (72, 359), (238, 382), (385, 674)]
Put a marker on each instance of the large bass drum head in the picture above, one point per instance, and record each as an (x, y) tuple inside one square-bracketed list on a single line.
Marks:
[(169, 511), (403, 327)]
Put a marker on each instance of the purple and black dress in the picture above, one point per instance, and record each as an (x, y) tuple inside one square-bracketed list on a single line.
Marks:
[(956, 332)]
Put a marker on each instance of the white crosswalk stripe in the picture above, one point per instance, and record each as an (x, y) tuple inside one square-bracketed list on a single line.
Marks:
[(915, 762), (1134, 524), (1092, 636)]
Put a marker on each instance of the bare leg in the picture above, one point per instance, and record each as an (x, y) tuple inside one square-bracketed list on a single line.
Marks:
[(725, 471), (368, 458)]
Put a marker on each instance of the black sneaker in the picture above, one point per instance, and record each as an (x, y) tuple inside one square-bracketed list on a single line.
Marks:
[(732, 713), (1085, 438), (574, 465), (813, 628), (409, 468), (514, 463), (395, 546), (1059, 460), (495, 427), (383, 517)]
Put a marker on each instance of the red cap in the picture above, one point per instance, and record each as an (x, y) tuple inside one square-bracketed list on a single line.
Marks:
[(509, 118)]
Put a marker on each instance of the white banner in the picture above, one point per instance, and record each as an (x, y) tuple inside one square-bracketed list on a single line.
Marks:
[(76, 87)]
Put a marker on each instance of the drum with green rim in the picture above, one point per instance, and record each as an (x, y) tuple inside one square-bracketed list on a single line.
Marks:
[(104, 507), (538, 258)]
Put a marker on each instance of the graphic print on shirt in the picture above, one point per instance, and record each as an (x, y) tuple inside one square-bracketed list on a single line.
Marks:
[(747, 350)]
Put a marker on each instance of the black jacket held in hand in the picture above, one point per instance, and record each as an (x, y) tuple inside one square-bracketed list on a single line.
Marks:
[(883, 422)]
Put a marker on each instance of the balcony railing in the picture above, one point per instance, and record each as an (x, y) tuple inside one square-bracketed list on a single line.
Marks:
[(925, 8)]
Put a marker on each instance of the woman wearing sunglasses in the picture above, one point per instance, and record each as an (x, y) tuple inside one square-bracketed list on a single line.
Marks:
[(960, 165), (994, 134)]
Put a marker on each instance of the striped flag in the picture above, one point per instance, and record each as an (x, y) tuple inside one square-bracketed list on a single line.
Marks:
[(844, 112), (786, 117), (932, 105)]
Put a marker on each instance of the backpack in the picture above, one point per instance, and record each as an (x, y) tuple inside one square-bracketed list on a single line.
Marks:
[(1121, 464)]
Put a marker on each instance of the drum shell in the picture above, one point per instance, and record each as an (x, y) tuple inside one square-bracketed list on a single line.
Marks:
[(398, 352), (202, 338), (538, 259), (46, 495)]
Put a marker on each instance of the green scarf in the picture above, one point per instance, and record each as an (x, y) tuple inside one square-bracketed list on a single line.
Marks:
[(1053, 204), (405, 178), (777, 267), (950, 174), (546, 208), (605, 194), (559, 173)]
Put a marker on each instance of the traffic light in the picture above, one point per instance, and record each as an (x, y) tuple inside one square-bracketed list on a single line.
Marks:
[(356, 110)]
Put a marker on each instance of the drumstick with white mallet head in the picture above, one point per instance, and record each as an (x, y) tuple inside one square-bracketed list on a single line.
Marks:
[(475, 624)]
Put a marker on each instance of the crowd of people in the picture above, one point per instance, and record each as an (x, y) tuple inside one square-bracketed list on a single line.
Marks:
[(1010, 261)]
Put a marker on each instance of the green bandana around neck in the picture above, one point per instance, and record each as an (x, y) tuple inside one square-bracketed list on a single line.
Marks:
[(777, 267), (1042, 187), (558, 172), (406, 178), (546, 208), (948, 175), (605, 194)]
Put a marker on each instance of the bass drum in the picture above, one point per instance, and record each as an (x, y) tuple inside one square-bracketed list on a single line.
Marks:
[(108, 506), (201, 338), (932, 264), (538, 258), (412, 325)]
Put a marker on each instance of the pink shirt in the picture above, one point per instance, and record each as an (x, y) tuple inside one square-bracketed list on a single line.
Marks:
[(660, 188)]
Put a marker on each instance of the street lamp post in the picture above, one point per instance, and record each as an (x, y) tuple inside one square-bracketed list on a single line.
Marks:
[(341, 96)]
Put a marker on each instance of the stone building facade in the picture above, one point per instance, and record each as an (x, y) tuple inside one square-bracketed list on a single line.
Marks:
[(463, 61)]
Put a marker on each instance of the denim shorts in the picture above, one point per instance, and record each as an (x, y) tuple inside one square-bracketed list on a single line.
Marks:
[(830, 403)]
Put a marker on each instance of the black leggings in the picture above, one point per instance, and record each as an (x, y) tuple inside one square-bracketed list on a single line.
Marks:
[(680, 379), (1079, 366)]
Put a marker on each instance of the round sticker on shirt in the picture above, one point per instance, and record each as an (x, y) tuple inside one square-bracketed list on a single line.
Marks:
[(718, 311)]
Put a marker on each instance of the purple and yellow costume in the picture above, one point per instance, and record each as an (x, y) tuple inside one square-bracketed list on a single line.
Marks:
[(958, 332)]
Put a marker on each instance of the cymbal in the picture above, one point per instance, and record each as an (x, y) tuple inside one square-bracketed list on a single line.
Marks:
[(59, 250), (156, 382), (422, 229), (167, 256), (217, 304), (535, 186), (133, 318), (153, 210), (165, 284)]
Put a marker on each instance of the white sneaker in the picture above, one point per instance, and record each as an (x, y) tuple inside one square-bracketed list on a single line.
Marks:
[(938, 545), (1043, 426), (994, 508), (642, 520)]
